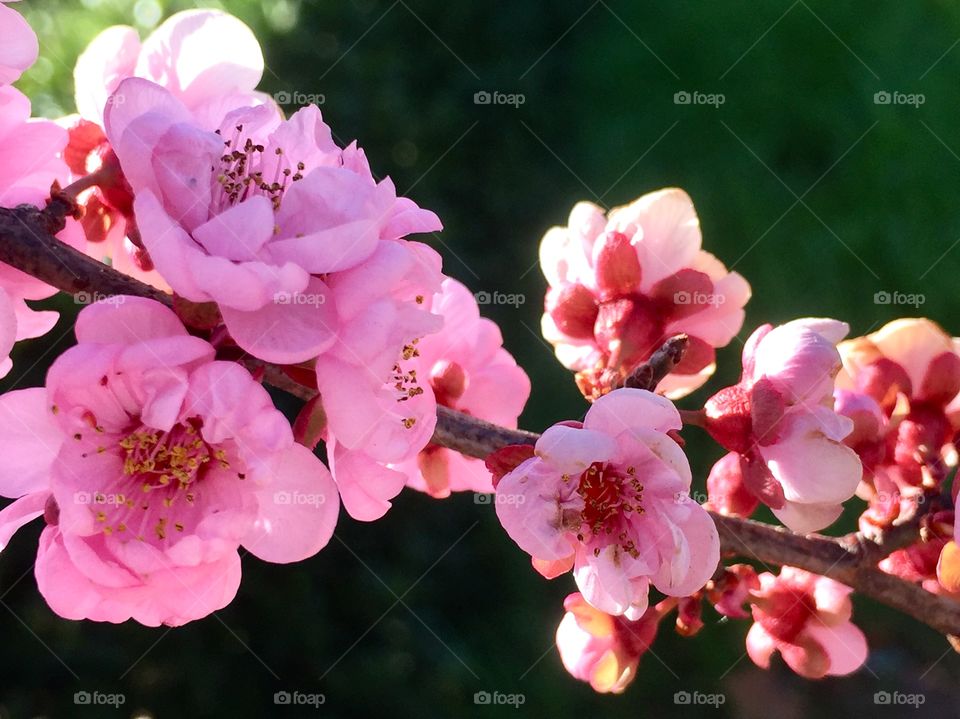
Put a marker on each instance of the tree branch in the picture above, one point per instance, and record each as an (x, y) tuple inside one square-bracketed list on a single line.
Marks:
[(27, 243)]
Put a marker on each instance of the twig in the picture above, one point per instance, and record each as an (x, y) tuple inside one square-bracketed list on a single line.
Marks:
[(27, 243)]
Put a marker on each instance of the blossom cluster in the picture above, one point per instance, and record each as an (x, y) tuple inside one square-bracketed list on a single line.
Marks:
[(153, 453)]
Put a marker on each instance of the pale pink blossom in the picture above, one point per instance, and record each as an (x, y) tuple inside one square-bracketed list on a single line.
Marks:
[(901, 385), (208, 59), (468, 369), (152, 464), (379, 409), (258, 216), (602, 649), (611, 499), (780, 420), (806, 618), (29, 164), (621, 284), (18, 44)]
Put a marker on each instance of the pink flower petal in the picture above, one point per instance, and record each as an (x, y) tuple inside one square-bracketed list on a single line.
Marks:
[(366, 487), (845, 644), (109, 58), (291, 328), (18, 45), (298, 509), (29, 442), (19, 513)]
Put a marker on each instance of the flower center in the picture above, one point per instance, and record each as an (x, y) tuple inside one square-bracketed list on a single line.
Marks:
[(609, 496), (404, 379), (157, 489), (243, 170), (160, 459)]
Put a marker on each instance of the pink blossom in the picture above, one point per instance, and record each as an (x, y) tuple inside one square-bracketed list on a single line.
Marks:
[(258, 216), (926, 561), (207, 59), (806, 618), (621, 284), (18, 44), (779, 420), (151, 464), (380, 412), (602, 649), (611, 498), (468, 370), (901, 386), (29, 164)]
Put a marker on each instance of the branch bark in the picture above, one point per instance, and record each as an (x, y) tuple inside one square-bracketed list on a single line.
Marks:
[(27, 243)]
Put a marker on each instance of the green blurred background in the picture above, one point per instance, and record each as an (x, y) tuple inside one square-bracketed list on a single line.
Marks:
[(819, 195)]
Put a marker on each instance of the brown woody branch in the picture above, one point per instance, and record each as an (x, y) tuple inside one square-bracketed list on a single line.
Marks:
[(27, 243)]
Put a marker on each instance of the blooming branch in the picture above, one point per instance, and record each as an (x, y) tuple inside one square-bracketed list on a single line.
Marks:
[(27, 242)]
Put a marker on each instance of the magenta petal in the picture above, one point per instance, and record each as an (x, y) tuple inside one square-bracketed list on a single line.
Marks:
[(845, 645), (238, 232), (127, 320), (760, 646), (408, 218), (626, 409), (29, 442), (17, 514), (531, 512), (298, 509), (290, 329), (366, 487), (695, 546), (18, 45), (570, 450)]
